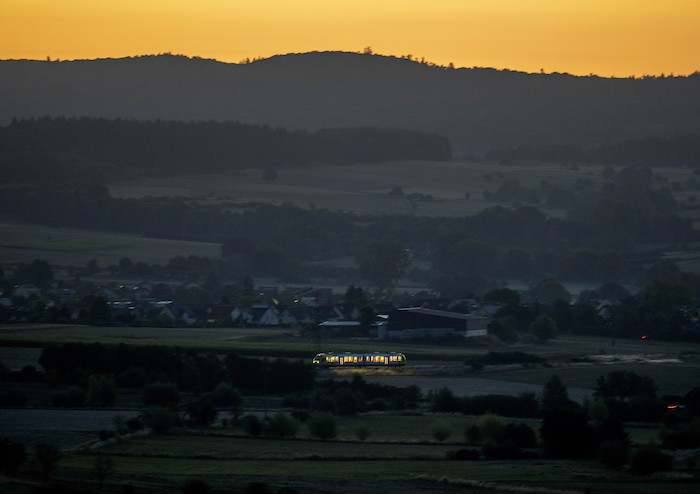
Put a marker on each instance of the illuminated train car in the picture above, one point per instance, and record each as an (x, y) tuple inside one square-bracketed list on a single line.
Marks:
[(377, 359)]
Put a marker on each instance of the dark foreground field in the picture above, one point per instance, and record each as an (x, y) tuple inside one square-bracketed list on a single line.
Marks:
[(399, 452)]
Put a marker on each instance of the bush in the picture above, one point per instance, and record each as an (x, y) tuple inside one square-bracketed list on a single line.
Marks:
[(465, 455), (161, 394), (440, 430), (521, 435), (102, 391), (13, 398), (252, 425), (202, 411), (492, 427), (133, 377), (72, 396), (650, 459), (362, 433), (12, 455), (323, 425), (283, 425), (134, 424), (501, 451), (613, 453), (161, 419)]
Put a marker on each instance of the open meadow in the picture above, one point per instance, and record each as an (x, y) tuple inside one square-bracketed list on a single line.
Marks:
[(457, 188)]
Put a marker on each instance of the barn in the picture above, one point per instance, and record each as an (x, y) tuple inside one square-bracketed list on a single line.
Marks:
[(419, 322)]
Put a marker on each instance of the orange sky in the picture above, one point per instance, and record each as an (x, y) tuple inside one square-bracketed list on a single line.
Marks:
[(604, 37)]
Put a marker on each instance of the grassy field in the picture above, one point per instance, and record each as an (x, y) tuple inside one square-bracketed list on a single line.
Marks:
[(413, 463), (364, 188), (70, 247)]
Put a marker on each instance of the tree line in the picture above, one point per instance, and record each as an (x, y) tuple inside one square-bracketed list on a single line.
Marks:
[(672, 150), (64, 148)]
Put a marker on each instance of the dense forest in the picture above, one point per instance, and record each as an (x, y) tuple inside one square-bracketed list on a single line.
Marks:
[(53, 149)]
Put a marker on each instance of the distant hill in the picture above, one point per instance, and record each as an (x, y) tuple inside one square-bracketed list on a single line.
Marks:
[(477, 109)]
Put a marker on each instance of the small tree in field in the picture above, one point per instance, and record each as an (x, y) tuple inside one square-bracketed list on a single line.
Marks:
[(440, 430), (47, 455), (323, 425), (544, 328), (362, 433)]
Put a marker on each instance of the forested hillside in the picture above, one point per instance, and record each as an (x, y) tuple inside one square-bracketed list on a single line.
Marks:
[(478, 109)]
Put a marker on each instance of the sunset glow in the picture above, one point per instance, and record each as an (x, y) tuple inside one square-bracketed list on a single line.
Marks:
[(604, 37)]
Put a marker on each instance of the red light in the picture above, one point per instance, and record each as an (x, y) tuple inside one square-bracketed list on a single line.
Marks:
[(644, 337)]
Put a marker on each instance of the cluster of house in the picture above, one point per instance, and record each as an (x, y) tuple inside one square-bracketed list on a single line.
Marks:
[(311, 308)]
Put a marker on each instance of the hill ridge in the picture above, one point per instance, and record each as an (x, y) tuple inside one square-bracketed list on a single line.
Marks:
[(476, 108)]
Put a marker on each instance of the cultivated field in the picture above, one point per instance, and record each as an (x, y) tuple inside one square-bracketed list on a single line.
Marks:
[(70, 247), (364, 188)]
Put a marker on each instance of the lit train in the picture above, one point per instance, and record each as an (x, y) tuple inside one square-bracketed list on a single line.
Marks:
[(376, 359)]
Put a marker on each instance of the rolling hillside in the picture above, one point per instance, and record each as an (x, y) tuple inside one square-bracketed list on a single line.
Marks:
[(477, 109)]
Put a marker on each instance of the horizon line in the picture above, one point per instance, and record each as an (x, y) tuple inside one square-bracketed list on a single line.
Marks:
[(366, 52)]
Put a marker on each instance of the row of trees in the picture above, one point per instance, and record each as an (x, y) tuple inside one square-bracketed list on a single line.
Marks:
[(595, 244), (664, 309), (60, 149), (134, 366), (674, 150)]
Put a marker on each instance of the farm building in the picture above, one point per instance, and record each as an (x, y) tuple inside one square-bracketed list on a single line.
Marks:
[(417, 322)]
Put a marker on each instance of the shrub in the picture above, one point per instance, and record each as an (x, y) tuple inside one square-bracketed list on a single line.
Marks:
[(521, 435), (323, 425), (362, 433), (161, 394), (161, 419), (202, 411), (473, 434), (492, 427), (13, 398), (134, 424), (72, 396), (102, 391), (283, 425), (133, 377), (12, 455), (650, 459), (252, 425), (613, 453), (440, 430), (501, 451)]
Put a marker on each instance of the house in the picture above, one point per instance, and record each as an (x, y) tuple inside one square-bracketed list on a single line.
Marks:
[(256, 315), (418, 322), (27, 290), (296, 315)]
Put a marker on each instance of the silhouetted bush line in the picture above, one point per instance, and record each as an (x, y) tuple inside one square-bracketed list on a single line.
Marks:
[(74, 363)]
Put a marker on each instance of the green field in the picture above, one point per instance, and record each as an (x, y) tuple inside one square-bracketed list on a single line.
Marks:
[(71, 247), (364, 188)]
